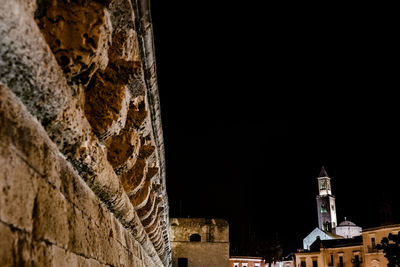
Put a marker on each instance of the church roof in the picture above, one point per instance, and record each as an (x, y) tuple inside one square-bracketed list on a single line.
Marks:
[(347, 223), (336, 243), (323, 173), (322, 234)]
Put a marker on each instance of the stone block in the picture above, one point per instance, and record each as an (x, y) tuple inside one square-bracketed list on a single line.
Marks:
[(18, 188), (94, 263), (77, 191), (6, 246), (82, 261), (41, 254), (50, 215), (23, 249), (108, 250), (123, 256), (62, 258), (27, 137), (81, 239), (118, 232), (105, 222)]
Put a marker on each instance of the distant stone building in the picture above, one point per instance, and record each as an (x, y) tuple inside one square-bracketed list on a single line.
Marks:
[(359, 251), (199, 242), (334, 252), (245, 261), (373, 236)]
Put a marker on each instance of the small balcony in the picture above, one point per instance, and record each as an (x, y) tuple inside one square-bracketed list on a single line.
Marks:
[(356, 261), (372, 249)]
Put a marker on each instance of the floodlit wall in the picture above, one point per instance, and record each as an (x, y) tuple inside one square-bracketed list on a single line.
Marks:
[(348, 231), (211, 250), (237, 261), (373, 256), (311, 237), (82, 175)]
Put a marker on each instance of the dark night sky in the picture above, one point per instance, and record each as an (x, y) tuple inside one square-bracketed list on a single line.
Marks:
[(255, 99)]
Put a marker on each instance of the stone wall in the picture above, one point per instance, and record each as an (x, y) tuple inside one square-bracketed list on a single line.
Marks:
[(82, 170), (211, 250)]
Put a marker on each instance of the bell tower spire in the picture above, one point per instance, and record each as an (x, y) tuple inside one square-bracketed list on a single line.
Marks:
[(326, 205)]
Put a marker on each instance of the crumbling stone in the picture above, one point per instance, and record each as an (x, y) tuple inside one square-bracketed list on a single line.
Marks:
[(78, 33), (76, 103)]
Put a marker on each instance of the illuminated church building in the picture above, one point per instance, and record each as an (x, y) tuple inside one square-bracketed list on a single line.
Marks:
[(327, 220)]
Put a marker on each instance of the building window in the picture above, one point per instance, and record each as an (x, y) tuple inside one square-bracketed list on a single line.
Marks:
[(236, 264), (373, 244), (183, 262), (303, 263), (327, 226), (256, 265), (331, 260), (357, 261), (323, 208), (341, 261), (195, 238), (244, 264)]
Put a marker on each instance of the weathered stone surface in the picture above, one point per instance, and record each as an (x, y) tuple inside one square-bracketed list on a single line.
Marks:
[(41, 254), (123, 148), (122, 14), (26, 63), (125, 47), (16, 205), (78, 99), (78, 33), (81, 240), (50, 215), (132, 179), (7, 245), (139, 199), (63, 258), (93, 235), (213, 248), (146, 210), (106, 105)]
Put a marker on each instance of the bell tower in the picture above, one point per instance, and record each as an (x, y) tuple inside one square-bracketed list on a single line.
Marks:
[(326, 203)]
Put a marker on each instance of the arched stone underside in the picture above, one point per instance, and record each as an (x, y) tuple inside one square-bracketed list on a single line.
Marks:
[(86, 70)]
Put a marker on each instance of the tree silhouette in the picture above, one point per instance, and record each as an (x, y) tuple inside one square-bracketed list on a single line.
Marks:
[(270, 251), (391, 248)]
